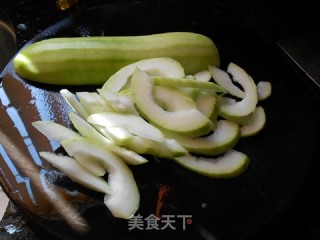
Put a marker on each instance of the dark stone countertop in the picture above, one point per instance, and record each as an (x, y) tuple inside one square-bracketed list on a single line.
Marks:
[(270, 20)]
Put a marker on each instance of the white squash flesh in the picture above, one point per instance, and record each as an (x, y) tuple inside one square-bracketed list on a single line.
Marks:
[(136, 125), (90, 103), (119, 102), (264, 90), (203, 76), (86, 130), (207, 104), (171, 99), (54, 131)]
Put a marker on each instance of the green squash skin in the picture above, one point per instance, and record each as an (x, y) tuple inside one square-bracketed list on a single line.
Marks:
[(92, 60), (214, 150), (216, 174), (206, 149)]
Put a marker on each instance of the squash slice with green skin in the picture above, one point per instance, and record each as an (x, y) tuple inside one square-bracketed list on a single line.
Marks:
[(225, 137), (169, 148), (73, 102), (59, 133), (119, 102), (91, 104), (187, 122), (87, 130), (255, 123), (232, 110), (231, 164), (186, 83), (124, 199), (76, 172), (134, 124), (223, 79), (54, 131), (154, 66)]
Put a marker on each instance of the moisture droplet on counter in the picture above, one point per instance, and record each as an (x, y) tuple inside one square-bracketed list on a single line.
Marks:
[(22, 26), (11, 229)]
